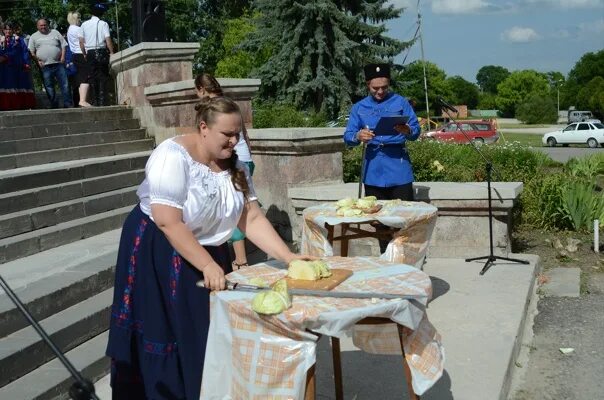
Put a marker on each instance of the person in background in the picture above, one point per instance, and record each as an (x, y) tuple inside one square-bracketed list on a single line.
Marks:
[(16, 85), (387, 170), (207, 86), (194, 194), (96, 46), (80, 79), (48, 48)]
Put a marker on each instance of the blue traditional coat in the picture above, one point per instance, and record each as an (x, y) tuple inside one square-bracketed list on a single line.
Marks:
[(387, 161)]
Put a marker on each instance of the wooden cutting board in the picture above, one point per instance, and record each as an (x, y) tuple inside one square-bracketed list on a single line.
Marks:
[(337, 276)]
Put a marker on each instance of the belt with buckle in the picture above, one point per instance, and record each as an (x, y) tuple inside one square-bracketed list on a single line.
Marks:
[(382, 145)]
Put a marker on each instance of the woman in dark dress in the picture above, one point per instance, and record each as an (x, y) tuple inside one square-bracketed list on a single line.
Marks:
[(194, 195), (16, 85)]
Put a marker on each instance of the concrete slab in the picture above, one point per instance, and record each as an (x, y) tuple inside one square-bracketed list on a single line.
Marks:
[(563, 282)]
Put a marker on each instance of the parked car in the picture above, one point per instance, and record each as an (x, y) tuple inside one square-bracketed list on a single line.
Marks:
[(478, 131), (579, 116), (591, 133)]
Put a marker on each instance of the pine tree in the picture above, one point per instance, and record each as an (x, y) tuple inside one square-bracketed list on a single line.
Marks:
[(319, 49)]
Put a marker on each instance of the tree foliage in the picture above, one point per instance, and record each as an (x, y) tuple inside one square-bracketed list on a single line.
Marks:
[(591, 96), (462, 91), (517, 88), (489, 76), (319, 48), (589, 66), (238, 62), (537, 109), (409, 82)]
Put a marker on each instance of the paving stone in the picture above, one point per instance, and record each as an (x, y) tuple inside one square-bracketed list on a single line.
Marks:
[(563, 282)]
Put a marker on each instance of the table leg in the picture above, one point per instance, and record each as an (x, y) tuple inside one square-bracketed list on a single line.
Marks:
[(337, 367), (344, 241), (407, 370), (310, 384)]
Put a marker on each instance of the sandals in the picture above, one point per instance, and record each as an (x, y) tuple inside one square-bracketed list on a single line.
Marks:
[(236, 266)]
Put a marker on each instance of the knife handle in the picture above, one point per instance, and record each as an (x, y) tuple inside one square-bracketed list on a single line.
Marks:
[(229, 285)]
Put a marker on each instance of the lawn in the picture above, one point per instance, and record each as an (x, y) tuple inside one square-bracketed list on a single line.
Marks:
[(527, 139)]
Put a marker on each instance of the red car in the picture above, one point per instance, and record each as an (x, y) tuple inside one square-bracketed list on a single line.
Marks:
[(478, 131)]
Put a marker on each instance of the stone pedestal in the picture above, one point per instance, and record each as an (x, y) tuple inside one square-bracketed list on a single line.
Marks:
[(157, 80), (147, 64), (172, 105), (287, 157)]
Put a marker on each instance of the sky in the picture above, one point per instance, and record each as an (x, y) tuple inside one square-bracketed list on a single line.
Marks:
[(461, 36)]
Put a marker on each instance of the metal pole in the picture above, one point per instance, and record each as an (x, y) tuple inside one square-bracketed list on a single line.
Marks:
[(421, 43)]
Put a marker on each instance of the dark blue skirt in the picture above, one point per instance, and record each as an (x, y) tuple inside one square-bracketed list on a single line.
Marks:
[(159, 318)]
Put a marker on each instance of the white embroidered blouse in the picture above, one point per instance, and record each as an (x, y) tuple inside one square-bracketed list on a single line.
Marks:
[(210, 204)]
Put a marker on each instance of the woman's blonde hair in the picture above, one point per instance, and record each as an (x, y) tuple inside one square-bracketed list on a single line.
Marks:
[(207, 111), (73, 18)]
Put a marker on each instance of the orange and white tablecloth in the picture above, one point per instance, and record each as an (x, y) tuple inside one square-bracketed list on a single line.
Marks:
[(415, 221), (252, 356)]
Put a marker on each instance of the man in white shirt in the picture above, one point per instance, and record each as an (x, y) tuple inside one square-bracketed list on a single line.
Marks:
[(96, 45), (48, 48)]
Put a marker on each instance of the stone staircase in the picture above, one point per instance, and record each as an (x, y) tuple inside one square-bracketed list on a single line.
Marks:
[(68, 178)]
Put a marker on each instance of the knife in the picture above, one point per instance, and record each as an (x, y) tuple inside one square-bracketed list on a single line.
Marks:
[(320, 293)]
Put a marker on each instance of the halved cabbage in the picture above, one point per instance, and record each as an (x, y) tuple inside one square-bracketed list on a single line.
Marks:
[(304, 270), (321, 268), (347, 202)]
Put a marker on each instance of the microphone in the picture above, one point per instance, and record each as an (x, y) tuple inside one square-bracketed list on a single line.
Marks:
[(446, 105)]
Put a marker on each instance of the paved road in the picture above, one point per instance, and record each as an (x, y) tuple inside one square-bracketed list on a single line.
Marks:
[(563, 154)]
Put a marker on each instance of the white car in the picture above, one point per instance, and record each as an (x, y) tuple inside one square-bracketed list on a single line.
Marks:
[(591, 133)]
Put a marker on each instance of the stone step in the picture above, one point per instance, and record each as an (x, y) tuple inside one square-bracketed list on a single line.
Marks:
[(37, 197), (54, 280), (44, 117), (24, 350), (29, 243), (73, 153), (65, 128), (56, 213), (38, 176), (65, 141), (52, 380)]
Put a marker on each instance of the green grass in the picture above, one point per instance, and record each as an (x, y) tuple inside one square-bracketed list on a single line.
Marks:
[(526, 139), (521, 126)]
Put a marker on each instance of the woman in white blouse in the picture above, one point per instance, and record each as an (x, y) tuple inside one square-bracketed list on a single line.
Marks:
[(82, 71), (192, 199)]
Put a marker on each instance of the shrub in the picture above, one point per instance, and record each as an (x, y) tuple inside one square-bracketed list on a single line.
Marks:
[(553, 197), (271, 115), (537, 109)]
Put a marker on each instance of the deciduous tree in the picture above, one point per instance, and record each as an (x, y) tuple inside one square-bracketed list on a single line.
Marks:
[(489, 76), (516, 89)]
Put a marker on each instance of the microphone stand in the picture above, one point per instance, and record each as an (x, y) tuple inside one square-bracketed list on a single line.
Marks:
[(491, 258), (81, 389)]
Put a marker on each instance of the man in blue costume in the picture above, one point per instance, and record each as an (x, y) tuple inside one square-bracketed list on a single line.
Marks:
[(387, 173)]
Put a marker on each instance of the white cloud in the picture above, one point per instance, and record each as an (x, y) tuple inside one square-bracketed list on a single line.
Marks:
[(568, 3), (592, 28), (458, 6), (518, 34)]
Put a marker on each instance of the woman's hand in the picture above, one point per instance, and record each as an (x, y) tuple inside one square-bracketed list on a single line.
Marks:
[(213, 276)]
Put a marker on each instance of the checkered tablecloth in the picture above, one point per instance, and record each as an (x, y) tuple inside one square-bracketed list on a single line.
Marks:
[(415, 221), (252, 356)]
